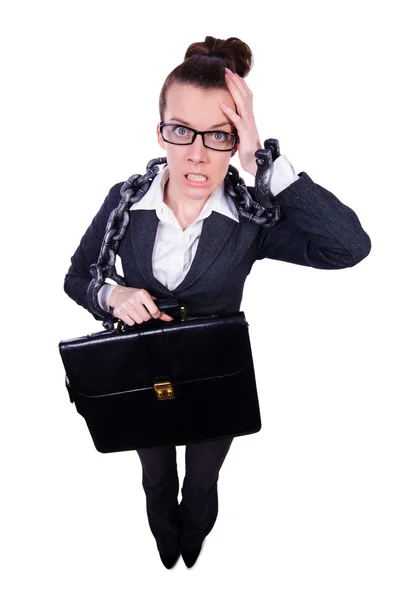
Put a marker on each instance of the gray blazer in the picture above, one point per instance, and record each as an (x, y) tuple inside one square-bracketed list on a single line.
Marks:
[(315, 230)]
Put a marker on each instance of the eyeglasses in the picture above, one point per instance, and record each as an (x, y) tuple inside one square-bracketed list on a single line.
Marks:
[(182, 136)]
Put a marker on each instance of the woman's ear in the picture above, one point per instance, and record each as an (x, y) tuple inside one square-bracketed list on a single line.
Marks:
[(159, 137)]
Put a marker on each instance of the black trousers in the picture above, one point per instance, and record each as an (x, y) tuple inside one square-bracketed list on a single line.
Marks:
[(192, 519)]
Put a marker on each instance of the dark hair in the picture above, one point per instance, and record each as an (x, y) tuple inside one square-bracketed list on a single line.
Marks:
[(204, 65)]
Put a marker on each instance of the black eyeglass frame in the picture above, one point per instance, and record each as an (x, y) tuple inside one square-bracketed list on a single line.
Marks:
[(196, 132)]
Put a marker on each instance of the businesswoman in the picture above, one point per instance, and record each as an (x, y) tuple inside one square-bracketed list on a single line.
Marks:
[(206, 116)]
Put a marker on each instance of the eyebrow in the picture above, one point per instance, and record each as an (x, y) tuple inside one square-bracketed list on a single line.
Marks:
[(189, 124)]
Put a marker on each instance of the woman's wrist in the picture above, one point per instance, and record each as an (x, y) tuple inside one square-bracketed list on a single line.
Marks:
[(113, 295)]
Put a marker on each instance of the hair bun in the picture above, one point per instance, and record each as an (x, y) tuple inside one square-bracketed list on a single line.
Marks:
[(204, 66), (217, 54), (233, 51)]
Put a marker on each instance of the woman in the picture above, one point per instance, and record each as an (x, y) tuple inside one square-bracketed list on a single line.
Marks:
[(187, 213)]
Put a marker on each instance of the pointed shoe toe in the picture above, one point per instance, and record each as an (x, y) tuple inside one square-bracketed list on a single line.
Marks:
[(190, 556), (169, 560)]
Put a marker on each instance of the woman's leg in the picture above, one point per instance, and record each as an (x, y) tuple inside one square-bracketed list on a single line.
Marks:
[(161, 485), (199, 506)]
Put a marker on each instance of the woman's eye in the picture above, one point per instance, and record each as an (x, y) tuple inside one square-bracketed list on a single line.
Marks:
[(219, 136), (180, 131)]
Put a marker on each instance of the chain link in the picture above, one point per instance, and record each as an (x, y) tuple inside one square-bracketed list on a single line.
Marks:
[(265, 212)]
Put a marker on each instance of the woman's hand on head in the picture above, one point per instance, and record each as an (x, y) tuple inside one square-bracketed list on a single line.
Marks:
[(244, 120), (135, 305)]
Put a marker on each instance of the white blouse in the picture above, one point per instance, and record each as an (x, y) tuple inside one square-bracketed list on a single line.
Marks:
[(174, 249)]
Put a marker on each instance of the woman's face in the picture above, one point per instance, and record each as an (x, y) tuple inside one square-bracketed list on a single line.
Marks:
[(197, 108)]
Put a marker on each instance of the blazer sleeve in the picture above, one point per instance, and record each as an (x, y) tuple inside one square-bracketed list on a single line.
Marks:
[(78, 277), (315, 229)]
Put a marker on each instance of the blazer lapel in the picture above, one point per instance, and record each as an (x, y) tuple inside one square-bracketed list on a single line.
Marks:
[(143, 229), (215, 232)]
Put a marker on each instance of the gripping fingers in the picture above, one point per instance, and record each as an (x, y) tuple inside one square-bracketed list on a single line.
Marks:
[(128, 314)]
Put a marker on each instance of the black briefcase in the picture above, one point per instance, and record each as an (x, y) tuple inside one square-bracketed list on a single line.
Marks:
[(164, 382)]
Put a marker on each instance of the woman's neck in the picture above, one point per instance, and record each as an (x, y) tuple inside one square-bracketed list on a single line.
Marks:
[(185, 210)]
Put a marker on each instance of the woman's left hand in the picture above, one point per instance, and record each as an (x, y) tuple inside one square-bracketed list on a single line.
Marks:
[(244, 120)]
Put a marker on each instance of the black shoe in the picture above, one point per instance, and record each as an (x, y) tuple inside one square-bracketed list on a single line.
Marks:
[(190, 556), (169, 560)]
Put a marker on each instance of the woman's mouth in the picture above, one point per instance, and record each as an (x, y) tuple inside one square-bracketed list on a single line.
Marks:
[(195, 179)]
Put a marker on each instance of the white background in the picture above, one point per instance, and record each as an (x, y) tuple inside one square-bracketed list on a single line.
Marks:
[(307, 506)]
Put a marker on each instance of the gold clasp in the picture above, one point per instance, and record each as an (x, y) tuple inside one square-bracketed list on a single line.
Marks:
[(164, 390), (120, 326)]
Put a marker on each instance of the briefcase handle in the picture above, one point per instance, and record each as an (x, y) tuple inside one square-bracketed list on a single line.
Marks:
[(176, 310)]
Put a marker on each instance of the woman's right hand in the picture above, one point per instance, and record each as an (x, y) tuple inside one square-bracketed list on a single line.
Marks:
[(135, 305)]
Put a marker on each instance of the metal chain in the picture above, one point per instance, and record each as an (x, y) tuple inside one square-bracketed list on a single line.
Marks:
[(265, 213)]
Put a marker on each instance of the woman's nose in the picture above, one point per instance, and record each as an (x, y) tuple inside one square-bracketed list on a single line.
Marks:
[(197, 150)]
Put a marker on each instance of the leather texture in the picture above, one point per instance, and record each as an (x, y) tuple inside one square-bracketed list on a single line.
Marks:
[(110, 377)]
